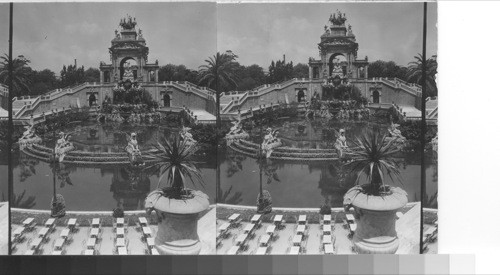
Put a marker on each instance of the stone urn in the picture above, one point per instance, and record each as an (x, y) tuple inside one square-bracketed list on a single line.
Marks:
[(177, 222), (375, 218)]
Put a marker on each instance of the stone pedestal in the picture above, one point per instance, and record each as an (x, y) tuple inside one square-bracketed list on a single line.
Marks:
[(178, 223), (376, 220), (178, 234)]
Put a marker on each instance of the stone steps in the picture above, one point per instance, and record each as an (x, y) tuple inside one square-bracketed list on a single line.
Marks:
[(285, 153), (79, 157)]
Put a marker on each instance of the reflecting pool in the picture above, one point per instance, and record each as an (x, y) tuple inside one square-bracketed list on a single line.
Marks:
[(294, 184), (92, 188)]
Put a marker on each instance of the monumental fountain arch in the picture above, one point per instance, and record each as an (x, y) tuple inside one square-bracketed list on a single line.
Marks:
[(339, 58), (128, 63)]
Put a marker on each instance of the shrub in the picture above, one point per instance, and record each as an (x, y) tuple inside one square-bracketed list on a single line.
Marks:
[(118, 213), (325, 210)]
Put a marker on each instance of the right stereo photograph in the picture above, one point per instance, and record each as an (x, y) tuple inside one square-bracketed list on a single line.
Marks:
[(329, 117)]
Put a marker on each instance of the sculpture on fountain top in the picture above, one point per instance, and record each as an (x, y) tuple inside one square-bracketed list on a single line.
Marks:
[(236, 132), (63, 146), (341, 143), (29, 137), (270, 142), (134, 154), (338, 19), (127, 23)]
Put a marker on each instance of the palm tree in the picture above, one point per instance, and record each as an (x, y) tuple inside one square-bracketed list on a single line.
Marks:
[(415, 73), (373, 156), (20, 73), (174, 161), (219, 74)]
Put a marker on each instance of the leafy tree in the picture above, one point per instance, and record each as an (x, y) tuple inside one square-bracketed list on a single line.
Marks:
[(280, 71), (389, 69), (20, 74), (43, 81), (249, 77), (301, 70), (72, 75), (415, 73), (219, 74), (172, 72), (92, 75)]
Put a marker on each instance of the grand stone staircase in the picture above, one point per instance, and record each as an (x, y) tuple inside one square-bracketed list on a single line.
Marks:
[(24, 107)]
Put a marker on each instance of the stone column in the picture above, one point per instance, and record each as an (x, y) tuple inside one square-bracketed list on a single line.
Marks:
[(101, 76), (366, 71), (156, 75), (310, 72)]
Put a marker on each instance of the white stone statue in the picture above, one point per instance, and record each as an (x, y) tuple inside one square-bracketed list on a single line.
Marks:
[(270, 142), (63, 146), (29, 137), (186, 136), (395, 134), (133, 151), (236, 132), (394, 131), (341, 143)]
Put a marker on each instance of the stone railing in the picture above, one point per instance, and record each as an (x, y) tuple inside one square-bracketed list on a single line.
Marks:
[(263, 89), (190, 87), (51, 95)]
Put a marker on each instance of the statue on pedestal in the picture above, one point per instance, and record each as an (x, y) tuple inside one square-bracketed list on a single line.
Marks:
[(63, 146), (236, 132), (270, 142), (29, 137), (186, 136), (133, 151), (341, 143)]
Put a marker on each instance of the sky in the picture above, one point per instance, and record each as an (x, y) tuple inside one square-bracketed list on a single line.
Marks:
[(384, 31), (51, 35)]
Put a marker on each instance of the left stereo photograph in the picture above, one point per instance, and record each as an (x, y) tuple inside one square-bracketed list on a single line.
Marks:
[(111, 157)]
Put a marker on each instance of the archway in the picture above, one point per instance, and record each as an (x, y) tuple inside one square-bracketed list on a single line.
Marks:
[(376, 96), (129, 68), (300, 96), (92, 99), (166, 100), (337, 61)]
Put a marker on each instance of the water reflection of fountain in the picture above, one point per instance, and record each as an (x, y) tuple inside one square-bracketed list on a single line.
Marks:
[(334, 182), (130, 187)]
